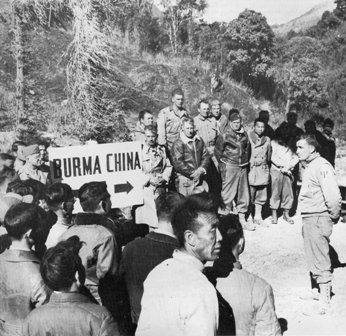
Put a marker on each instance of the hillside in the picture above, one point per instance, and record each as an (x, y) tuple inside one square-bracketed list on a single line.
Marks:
[(306, 20), (143, 81)]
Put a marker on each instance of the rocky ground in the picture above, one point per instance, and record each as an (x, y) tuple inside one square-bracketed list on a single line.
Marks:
[(276, 253)]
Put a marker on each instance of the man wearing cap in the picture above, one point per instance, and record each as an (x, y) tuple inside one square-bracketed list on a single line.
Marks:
[(232, 151), (32, 167)]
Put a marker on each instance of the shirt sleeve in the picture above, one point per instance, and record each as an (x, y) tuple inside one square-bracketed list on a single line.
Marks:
[(330, 190), (197, 317), (40, 292), (106, 259), (161, 128), (218, 147), (109, 327), (266, 320)]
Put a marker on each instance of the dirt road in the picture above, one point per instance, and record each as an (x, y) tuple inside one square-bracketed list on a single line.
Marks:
[(276, 254)]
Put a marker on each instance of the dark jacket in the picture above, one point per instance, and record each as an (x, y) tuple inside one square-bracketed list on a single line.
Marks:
[(21, 289), (139, 258), (185, 159), (70, 314), (233, 147)]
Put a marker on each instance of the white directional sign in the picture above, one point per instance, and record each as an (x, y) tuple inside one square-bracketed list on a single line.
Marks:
[(118, 164)]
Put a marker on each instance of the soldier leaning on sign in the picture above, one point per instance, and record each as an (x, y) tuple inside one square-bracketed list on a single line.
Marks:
[(157, 170)]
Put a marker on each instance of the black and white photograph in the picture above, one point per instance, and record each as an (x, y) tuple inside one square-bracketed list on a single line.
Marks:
[(172, 167)]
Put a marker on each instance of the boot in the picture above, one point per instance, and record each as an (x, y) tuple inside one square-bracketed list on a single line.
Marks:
[(325, 290), (287, 218), (246, 225), (274, 216)]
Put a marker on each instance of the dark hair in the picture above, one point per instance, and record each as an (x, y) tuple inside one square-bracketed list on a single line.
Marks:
[(262, 113), (258, 120), (60, 264), (58, 193), (91, 194), (310, 122), (15, 145), (44, 143), (310, 139), (203, 101), (38, 189), (233, 111), (20, 187), (8, 174), (20, 218), (167, 202), (177, 92), (292, 114), (142, 113), (328, 121), (151, 128), (185, 217), (231, 232)]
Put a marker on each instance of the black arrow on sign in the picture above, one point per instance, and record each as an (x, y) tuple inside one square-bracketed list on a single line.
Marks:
[(125, 187)]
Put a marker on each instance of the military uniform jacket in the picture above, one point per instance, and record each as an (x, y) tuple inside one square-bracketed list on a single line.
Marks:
[(259, 161)]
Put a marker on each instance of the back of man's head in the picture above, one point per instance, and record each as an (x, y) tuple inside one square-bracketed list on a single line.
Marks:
[(57, 194), (60, 264), (91, 194), (8, 175), (185, 217), (166, 203), (231, 231), (20, 187), (21, 218)]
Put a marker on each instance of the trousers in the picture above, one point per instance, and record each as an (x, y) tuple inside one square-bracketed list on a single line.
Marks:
[(282, 190), (316, 232), (235, 187)]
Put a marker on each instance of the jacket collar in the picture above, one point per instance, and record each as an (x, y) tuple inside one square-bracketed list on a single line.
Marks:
[(186, 140), (179, 113), (188, 259), (140, 127), (163, 238), (254, 138), (62, 297), (87, 218), (19, 256)]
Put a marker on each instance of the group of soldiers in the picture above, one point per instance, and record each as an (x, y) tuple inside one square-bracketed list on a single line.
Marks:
[(213, 152)]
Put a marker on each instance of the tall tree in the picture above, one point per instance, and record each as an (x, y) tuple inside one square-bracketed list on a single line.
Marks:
[(178, 12), (249, 41)]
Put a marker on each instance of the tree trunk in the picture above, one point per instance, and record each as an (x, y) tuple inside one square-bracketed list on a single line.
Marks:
[(19, 56)]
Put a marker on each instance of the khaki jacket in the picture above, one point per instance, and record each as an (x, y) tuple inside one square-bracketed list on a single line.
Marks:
[(319, 193), (260, 159)]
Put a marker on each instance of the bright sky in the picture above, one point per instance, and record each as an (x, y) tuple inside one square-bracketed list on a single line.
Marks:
[(276, 11)]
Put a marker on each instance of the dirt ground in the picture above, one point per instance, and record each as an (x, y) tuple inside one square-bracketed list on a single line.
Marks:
[(276, 254)]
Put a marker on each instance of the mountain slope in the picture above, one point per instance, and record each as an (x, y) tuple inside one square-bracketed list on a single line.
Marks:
[(306, 20)]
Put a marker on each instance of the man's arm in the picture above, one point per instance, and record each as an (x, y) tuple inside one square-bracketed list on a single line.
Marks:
[(109, 327), (219, 147), (107, 258), (40, 292), (330, 189), (161, 128), (266, 320)]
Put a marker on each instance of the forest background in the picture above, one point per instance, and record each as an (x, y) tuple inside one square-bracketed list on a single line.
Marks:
[(83, 69)]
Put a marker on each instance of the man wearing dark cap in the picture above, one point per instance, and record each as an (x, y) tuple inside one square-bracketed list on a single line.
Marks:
[(232, 151), (32, 167)]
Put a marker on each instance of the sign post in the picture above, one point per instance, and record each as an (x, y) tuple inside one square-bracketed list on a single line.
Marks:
[(118, 164)]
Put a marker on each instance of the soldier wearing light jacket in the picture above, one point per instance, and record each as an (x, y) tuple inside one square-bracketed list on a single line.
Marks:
[(319, 205)]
